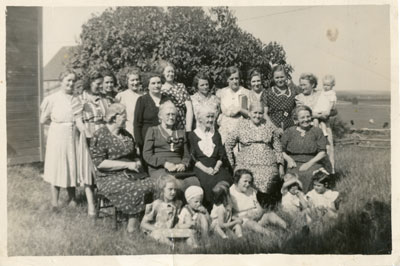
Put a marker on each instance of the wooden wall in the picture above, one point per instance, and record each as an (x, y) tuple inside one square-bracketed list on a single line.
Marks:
[(24, 83)]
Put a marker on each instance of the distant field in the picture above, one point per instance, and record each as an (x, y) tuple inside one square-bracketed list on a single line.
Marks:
[(362, 112)]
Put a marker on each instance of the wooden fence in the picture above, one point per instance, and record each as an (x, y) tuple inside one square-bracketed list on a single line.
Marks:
[(378, 143)]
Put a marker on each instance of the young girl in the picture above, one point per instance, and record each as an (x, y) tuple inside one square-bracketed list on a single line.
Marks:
[(221, 213), (246, 206), (194, 215), (293, 200), (161, 216), (321, 199)]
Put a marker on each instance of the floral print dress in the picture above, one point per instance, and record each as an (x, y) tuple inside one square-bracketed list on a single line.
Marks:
[(260, 152), (178, 95), (280, 106), (125, 192)]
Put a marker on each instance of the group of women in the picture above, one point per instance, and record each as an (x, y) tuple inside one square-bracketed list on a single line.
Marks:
[(123, 142)]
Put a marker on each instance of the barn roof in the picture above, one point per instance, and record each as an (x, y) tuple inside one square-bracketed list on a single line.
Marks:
[(57, 64)]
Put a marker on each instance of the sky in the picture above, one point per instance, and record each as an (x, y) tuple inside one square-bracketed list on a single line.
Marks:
[(357, 53)]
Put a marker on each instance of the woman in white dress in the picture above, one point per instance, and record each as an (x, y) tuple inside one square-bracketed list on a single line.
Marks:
[(64, 112), (131, 82), (235, 102)]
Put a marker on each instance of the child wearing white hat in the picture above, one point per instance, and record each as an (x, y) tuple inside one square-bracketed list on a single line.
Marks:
[(194, 215), (293, 200)]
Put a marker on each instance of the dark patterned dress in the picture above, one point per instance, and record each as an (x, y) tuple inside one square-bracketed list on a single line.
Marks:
[(178, 95), (126, 194), (302, 146), (280, 106), (218, 153), (260, 152)]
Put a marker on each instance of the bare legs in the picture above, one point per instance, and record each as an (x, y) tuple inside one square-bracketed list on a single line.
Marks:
[(90, 200), (55, 194), (133, 224)]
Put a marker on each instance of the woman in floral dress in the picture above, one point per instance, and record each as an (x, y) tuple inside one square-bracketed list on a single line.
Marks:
[(260, 152), (280, 99), (177, 94), (119, 173)]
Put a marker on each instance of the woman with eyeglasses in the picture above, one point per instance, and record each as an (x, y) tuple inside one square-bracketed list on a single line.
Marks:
[(166, 149)]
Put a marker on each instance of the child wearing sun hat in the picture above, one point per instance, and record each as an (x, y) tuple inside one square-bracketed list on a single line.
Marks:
[(293, 200)]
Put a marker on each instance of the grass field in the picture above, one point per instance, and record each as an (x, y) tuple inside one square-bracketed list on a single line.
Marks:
[(364, 111), (363, 226)]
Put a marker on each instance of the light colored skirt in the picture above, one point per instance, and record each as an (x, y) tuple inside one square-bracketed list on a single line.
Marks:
[(60, 166)]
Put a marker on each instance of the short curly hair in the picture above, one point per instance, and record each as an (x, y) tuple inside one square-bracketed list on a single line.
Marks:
[(298, 109), (112, 111), (123, 76), (238, 174), (231, 70), (311, 78), (254, 72), (65, 73), (198, 77), (109, 73)]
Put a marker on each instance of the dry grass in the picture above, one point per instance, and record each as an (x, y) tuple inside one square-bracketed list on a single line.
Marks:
[(364, 225)]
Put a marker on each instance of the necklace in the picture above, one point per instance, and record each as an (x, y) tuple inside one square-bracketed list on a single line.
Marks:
[(172, 139)]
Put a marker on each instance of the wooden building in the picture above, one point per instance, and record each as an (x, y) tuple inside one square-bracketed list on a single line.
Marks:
[(24, 84)]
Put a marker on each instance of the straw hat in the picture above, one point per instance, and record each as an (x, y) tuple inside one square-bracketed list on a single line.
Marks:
[(290, 180)]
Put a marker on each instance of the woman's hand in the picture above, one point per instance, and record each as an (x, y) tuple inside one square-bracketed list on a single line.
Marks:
[(180, 167), (171, 167), (209, 170), (281, 171), (305, 166), (291, 163), (133, 166)]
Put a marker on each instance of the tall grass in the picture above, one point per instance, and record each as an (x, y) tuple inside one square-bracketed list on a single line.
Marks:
[(363, 227)]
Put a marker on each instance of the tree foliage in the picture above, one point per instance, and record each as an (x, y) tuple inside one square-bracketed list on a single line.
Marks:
[(189, 37)]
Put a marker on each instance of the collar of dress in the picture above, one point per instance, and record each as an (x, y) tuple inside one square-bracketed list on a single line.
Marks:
[(278, 92)]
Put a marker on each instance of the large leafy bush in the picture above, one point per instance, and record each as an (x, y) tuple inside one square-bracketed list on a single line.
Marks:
[(191, 38)]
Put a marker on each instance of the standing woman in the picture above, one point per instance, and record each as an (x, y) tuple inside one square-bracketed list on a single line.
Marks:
[(176, 92), (308, 83), (231, 109), (146, 110), (203, 97), (255, 84), (94, 106), (280, 99), (109, 91), (93, 114), (131, 82), (63, 110)]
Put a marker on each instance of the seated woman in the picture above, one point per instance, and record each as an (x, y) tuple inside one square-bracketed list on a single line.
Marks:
[(211, 164), (119, 174), (166, 149), (304, 146), (260, 152)]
